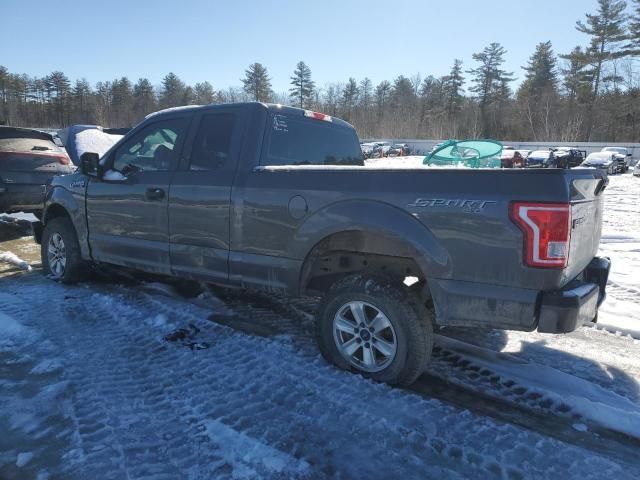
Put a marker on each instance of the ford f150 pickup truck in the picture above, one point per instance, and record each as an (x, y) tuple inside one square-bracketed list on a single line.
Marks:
[(278, 198)]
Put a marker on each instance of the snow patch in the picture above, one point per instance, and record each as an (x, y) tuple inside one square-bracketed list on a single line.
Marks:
[(13, 259), (580, 427), (9, 326), (46, 366), (601, 406), (245, 453), (23, 459)]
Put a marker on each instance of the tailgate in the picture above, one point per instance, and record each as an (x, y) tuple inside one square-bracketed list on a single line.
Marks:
[(587, 204)]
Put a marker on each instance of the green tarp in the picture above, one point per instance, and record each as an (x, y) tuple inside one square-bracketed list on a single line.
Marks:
[(466, 153)]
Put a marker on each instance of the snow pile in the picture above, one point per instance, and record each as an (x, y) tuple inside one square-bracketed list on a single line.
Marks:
[(601, 406), (13, 259), (9, 326), (621, 242), (23, 459), (243, 451), (95, 141)]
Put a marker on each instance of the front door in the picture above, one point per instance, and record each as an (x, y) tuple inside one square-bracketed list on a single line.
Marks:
[(200, 197), (127, 211)]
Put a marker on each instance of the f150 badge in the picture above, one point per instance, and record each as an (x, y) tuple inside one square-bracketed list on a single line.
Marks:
[(466, 205)]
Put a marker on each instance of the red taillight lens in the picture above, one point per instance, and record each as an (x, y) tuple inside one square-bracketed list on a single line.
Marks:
[(547, 232), (62, 159)]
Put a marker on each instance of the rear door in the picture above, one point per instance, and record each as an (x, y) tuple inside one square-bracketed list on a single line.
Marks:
[(127, 210), (200, 196)]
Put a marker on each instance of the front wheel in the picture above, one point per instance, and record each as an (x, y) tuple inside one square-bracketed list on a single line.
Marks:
[(60, 252), (369, 325)]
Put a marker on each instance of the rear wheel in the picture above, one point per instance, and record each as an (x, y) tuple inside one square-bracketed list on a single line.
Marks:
[(60, 252), (369, 325)]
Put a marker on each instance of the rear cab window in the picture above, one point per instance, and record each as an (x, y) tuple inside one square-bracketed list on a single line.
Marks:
[(293, 139)]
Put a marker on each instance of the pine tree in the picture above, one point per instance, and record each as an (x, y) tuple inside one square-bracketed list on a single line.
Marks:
[(633, 37), (203, 93), (144, 99), (121, 101), (366, 93), (60, 87), (541, 71), (539, 91), (349, 97), (607, 31), (489, 81), (302, 92), (172, 93), (452, 88), (81, 97), (257, 83), (4, 100)]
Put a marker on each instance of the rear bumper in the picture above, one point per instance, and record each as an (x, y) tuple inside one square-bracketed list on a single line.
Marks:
[(565, 310), (21, 197)]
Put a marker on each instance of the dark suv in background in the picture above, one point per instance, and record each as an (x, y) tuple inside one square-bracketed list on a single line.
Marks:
[(28, 161)]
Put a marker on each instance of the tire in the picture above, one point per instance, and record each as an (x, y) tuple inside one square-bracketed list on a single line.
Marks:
[(404, 330), (60, 252)]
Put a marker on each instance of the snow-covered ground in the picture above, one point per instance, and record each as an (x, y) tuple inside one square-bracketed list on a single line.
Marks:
[(126, 379)]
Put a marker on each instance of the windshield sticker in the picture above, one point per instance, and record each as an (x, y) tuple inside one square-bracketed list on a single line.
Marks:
[(280, 123)]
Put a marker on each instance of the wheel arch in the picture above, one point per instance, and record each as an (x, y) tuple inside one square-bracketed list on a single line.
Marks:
[(62, 203), (379, 235)]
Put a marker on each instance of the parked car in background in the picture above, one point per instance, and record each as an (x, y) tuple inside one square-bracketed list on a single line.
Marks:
[(398, 150), (622, 157), (524, 153), (569, 157), (28, 161), (602, 161), (367, 149), (636, 170), (69, 137), (541, 159), (511, 159), (381, 149)]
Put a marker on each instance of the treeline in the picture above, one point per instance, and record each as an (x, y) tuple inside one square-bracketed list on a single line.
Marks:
[(591, 93)]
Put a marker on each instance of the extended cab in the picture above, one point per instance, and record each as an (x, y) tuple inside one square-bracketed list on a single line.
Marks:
[(278, 198)]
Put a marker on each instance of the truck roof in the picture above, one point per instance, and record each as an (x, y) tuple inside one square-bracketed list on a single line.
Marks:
[(274, 107)]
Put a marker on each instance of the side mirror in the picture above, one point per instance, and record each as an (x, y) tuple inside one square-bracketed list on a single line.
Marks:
[(90, 164)]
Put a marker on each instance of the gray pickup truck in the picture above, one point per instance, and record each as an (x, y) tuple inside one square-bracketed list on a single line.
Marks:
[(278, 198)]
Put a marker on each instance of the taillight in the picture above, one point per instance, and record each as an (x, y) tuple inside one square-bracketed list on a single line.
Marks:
[(62, 159), (547, 232), (318, 116)]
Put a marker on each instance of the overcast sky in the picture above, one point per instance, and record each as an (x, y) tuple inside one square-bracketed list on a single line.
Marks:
[(216, 40)]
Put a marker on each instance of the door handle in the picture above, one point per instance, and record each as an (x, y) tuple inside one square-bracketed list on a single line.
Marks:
[(154, 194)]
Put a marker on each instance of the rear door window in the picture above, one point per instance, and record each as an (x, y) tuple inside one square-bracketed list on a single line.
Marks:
[(212, 144), (303, 141)]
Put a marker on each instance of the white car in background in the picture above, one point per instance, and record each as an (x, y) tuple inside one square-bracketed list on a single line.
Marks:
[(636, 170)]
